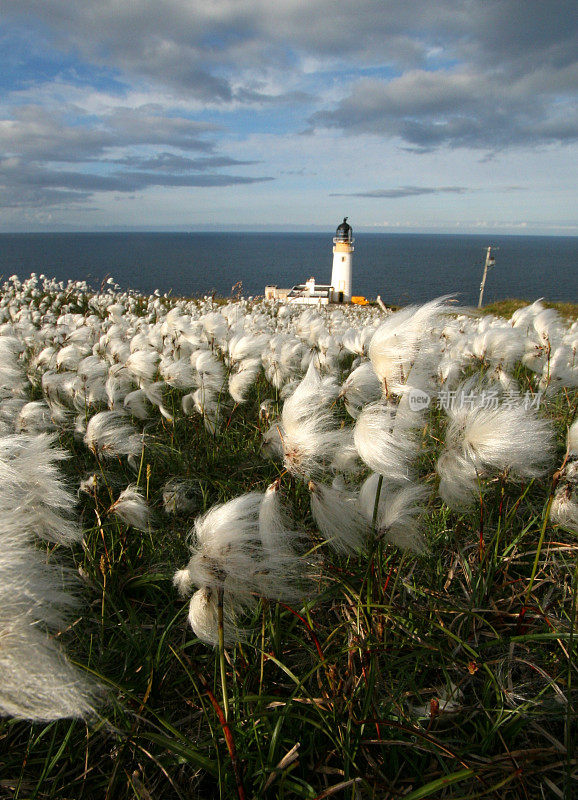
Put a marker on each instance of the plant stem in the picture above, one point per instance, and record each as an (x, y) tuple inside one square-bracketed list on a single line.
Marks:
[(220, 622), (374, 545), (568, 733), (540, 543), (376, 503), (140, 465)]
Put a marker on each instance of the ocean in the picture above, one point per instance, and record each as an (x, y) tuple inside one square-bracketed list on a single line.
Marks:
[(401, 268)]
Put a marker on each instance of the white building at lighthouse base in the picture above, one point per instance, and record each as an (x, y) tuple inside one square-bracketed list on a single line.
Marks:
[(339, 290)]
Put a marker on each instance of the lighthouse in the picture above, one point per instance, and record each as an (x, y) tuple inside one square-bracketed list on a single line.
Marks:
[(342, 258)]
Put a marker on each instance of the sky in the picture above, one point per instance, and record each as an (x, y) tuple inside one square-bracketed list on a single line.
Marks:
[(449, 116)]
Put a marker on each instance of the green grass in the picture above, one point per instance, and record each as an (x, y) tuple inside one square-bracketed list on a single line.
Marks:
[(447, 675), (403, 676), (506, 307)]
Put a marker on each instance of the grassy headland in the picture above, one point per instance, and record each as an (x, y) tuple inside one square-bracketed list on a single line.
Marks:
[(449, 673)]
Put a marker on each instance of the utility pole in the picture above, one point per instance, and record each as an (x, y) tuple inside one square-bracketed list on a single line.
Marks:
[(490, 261)]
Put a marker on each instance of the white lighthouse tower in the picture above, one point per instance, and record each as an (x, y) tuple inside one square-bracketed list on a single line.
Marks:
[(342, 258)]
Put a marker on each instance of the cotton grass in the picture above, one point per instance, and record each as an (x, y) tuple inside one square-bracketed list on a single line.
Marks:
[(244, 553), (317, 573), (38, 683), (485, 440)]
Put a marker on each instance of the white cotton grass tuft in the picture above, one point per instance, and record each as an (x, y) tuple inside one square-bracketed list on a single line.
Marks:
[(500, 345), (338, 517), (38, 683), (154, 393), (30, 583), (178, 374), (59, 387), (506, 437), (564, 508), (459, 481), (228, 555), (89, 485), (272, 443), (143, 365), (203, 619), (110, 434), (275, 529), (398, 512), (383, 444), (211, 374), (361, 387), (136, 403), (268, 410), (346, 459), (556, 372), (241, 381), (59, 413), (10, 408), (286, 572), (183, 581), (35, 417), (209, 405), (244, 348), (93, 372), (308, 429), (572, 440), (70, 356), (132, 508), (118, 385), (12, 376), (215, 326), (396, 343), (487, 439), (32, 485)]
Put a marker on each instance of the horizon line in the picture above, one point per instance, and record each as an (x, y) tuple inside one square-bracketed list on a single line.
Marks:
[(265, 229)]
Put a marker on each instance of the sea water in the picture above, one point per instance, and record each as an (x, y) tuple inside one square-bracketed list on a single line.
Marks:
[(401, 268)]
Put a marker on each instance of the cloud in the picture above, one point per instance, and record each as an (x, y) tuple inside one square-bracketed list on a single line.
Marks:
[(463, 73), (112, 96), (43, 135), (405, 191), (460, 109), (203, 47), (218, 52), (35, 146), (32, 197), (178, 163), (44, 187), (230, 53)]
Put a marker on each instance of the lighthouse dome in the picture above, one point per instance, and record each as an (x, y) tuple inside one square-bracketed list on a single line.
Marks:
[(343, 233)]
